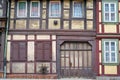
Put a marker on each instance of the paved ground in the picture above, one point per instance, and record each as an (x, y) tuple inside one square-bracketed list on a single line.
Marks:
[(52, 79)]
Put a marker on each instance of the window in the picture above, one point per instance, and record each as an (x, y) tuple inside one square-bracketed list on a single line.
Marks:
[(77, 9), (34, 9), (110, 51), (55, 9), (43, 51), (18, 51), (22, 9), (1, 12), (110, 11)]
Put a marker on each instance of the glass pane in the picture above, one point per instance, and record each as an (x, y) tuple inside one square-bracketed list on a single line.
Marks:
[(107, 58), (113, 57), (112, 16), (107, 16), (21, 5), (106, 46), (22, 9), (106, 7), (1, 12), (34, 9), (77, 9), (55, 9), (112, 46), (112, 7)]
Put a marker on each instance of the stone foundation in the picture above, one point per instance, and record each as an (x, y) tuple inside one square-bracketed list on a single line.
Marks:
[(32, 76), (108, 78)]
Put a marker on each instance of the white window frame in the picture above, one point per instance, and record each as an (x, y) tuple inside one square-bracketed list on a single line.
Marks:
[(38, 8), (51, 11), (109, 12), (74, 13), (18, 9), (110, 52)]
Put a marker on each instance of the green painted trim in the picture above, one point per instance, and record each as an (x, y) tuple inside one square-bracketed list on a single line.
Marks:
[(117, 16), (112, 23), (117, 50), (110, 64)]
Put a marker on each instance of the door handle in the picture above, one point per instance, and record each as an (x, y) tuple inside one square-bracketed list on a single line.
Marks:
[(70, 64)]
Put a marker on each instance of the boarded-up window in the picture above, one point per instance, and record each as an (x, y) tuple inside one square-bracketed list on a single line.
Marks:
[(43, 51), (19, 51)]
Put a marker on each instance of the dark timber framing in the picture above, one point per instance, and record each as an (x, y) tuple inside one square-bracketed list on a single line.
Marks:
[(47, 15), (62, 35)]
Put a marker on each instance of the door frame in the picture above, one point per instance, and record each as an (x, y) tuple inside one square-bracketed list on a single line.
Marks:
[(62, 39)]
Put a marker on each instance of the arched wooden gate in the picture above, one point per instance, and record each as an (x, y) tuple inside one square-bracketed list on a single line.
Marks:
[(76, 59)]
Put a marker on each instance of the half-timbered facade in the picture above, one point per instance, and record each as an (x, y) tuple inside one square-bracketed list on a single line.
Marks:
[(108, 39), (60, 39), (57, 34)]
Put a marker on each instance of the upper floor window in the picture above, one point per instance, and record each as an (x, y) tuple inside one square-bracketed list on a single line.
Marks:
[(110, 11), (22, 9), (34, 9), (110, 51), (77, 9), (55, 9)]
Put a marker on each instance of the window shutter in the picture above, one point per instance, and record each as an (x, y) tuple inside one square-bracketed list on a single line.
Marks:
[(39, 51), (14, 51), (47, 51), (43, 51), (22, 51)]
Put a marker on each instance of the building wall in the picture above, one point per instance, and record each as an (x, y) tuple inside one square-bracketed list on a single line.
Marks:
[(31, 29), (66, 21), (30, 52), (106, 31)]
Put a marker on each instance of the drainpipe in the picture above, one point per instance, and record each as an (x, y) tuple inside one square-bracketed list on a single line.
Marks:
[(6, 34)]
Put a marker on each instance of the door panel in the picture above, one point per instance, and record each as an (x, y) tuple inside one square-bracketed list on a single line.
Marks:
[(76, 59)]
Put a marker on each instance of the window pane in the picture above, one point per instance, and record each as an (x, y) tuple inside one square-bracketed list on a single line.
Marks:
[(22, 9), (112, 16), (107, 57), (106, 7), (113, 57), (106, 16), (106, 46), (77, 9), (55, 9), (34, 9), (112, 7), (112, 46)]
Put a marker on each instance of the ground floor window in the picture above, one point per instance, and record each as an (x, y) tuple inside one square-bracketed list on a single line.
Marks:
[(43, 51), (18, 51)]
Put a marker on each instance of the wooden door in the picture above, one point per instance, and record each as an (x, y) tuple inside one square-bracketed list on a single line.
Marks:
[(76, 59)]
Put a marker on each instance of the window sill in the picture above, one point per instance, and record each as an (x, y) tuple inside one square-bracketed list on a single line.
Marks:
[(75, 18), (110, 23), (54, 17), (110, 64)]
